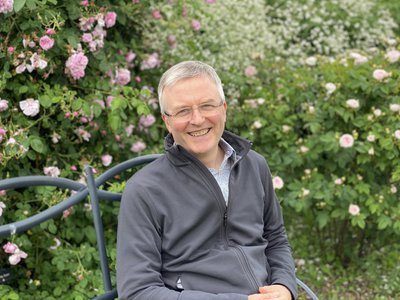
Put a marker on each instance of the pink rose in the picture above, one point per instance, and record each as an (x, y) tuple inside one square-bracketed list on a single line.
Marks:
[(196, 25), (346, 141), (277, 182), (138, 147), (147, 121), (10, 248), (354, 209), (151, 62), (106, 160), (10, 50), (250, 71), (87, 37), (30, 107), (110, 19), (3, 105), (3, 193), (171, 40), (129, 130), (380, 74), (50, 31), (123, 76), (75, 65), (6, 6), (156, 14), (46, 42), (130, 56)]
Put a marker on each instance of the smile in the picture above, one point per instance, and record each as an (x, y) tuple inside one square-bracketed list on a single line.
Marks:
[(200, 132)]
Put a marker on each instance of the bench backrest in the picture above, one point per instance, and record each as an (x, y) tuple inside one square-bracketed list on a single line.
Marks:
[(92, 189)]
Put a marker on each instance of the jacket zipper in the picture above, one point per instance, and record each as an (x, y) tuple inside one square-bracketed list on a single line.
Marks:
[(239, 252)]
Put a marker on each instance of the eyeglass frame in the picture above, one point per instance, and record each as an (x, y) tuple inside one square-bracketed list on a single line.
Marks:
[(191, 109)]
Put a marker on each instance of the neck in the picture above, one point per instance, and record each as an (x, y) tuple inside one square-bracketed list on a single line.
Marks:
[(214, 161)]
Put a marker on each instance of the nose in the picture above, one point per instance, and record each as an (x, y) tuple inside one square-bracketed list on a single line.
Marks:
[(197, 117)]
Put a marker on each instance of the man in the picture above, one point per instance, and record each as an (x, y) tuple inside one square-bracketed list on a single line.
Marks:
[(202, 222)]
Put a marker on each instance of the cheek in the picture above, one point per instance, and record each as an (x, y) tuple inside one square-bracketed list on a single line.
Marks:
[(176, 127)]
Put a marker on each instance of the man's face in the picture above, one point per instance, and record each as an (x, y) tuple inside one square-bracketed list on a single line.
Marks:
[(200, 134)]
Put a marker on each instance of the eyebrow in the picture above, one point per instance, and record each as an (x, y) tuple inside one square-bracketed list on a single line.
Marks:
[(190, 106)]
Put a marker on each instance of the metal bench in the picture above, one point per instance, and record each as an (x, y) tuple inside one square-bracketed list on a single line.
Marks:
[(82, 192)]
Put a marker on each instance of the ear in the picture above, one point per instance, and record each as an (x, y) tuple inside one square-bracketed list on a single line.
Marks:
[(166, 122), (225, 107)]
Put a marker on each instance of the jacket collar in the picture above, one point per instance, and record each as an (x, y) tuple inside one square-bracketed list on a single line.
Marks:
[(179, 156)]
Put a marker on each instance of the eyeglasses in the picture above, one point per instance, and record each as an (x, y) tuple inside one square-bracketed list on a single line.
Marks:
[(184, 114)]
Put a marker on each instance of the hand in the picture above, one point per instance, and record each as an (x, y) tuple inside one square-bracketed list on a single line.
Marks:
[(275, 291)]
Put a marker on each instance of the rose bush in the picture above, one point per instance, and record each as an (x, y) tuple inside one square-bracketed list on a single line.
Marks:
[(73, 92), (330, 132)]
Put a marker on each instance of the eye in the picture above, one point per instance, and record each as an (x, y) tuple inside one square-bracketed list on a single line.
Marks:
[(207, 107), (183, 112)]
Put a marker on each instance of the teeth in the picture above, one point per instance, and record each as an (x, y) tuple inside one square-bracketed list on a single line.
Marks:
[(199, 133)]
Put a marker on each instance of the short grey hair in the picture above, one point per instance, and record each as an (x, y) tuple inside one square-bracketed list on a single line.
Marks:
[(184, 70)]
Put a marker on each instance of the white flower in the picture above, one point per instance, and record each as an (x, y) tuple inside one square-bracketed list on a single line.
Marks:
[(311, 61), (2, 206), (51, 171), (353, 103), (305, 192), (330, 88), (393, 189), (3, 105), (285, 128), (354, 209), (377, 112), (346, 141), (397, 134), (257, 124), (371, 151), (395, 107), (358, 58), (55, 137), (277, 182), (30, 107), (304, 149), (392, 56), (371, 138), (338, 181), (58, 244)]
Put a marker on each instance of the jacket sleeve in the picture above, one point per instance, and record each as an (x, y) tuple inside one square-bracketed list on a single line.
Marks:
[(139, 258), (278, 251)]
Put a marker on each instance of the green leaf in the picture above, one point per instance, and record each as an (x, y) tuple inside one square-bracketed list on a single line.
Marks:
[(18, 5), (57, 291), (23, 89), (45, 101), (114, 121), (37, 144)]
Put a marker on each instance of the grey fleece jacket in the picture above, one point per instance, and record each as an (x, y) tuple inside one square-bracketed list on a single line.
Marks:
[(177, 239)]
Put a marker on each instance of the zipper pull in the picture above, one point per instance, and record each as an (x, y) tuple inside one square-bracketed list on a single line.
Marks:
[(225, 218)]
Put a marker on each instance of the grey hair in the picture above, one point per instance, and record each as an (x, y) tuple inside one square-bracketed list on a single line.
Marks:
[(184, 70)]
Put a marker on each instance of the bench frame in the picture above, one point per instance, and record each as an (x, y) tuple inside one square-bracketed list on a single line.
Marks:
[(92, 189)]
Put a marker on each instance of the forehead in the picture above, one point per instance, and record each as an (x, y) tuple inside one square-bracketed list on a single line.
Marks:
[(191, 89)]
